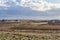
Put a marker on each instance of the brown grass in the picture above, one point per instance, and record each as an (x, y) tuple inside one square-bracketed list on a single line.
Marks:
[(26, 25)]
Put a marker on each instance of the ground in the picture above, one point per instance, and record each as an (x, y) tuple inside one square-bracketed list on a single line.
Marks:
[(29, 36), (29, 30)]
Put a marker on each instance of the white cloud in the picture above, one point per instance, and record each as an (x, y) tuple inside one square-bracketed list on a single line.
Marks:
[(39, 5), (3, 3), (14, 0)]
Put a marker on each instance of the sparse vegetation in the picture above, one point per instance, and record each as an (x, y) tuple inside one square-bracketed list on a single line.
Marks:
[(12, 36), (29, 27)]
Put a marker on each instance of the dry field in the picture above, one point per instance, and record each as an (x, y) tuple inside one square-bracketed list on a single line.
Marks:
[(28, 25), (29, 36), (29, 30)]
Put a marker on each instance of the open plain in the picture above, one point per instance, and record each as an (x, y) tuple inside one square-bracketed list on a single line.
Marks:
[(29, 30)]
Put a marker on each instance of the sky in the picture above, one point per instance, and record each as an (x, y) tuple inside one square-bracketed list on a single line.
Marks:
[(30, 9)]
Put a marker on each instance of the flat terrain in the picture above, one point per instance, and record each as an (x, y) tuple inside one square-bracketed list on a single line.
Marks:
[(29, 36), (29, 30), (27, 25)]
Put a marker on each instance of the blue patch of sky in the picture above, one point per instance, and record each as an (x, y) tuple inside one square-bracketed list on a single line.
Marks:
[(18, 0)]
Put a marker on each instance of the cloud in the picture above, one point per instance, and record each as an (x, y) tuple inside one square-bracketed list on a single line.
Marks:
[(2, 3), (7, 3), (26, 13), (38, 5), (29, 9)]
